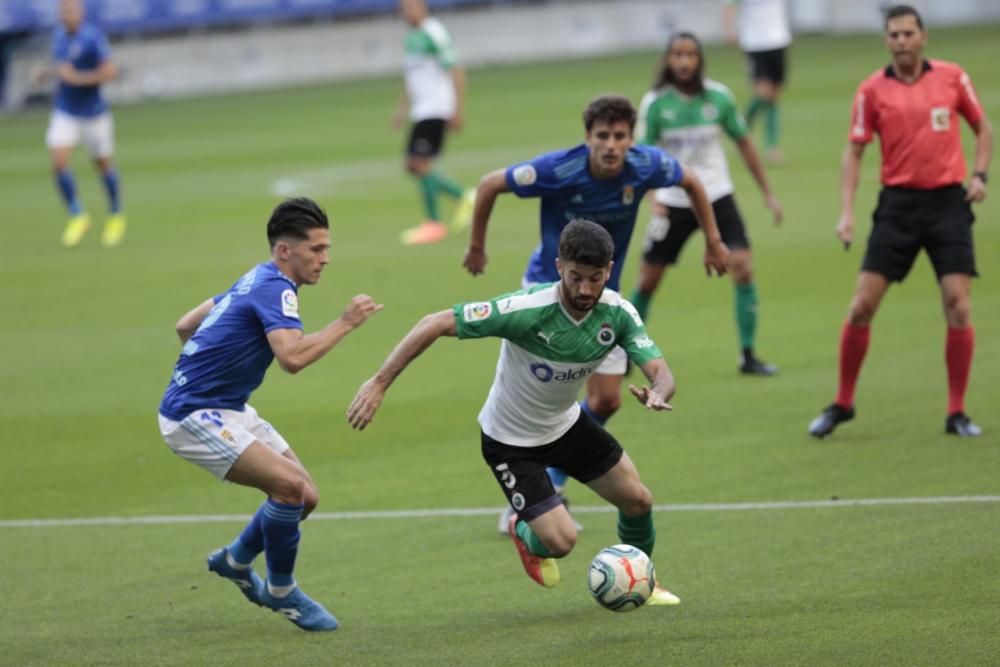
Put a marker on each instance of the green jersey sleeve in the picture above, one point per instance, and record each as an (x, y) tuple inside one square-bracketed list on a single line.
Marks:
[(731, 118), (647, 129), (441, 45), (632, 336)]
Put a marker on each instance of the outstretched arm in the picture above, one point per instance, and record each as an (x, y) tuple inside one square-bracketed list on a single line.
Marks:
[(295, 350), (457, 121), (369, 397), (657, 396), (716, 252), (752, 160), (71, 75), (491, 185)]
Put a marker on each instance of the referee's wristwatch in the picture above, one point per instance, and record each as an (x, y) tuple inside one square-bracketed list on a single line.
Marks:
[(981, 174)]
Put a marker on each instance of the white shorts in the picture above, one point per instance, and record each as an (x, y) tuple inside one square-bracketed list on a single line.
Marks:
[(616, 363), (97, 133), (214, 439)]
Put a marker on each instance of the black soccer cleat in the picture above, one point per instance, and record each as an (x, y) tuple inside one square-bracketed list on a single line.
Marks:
[(961, 425), (834, 414), (755, 366)]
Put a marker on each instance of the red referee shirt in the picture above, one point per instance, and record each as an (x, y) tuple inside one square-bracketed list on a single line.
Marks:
[(917, 123)]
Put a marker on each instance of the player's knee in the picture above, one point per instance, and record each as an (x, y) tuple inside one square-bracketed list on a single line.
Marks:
[(605, 406), (310, 500), (861, 312), (290, 488), (741, 267), (561, 543), (958, 310), (639, 502)]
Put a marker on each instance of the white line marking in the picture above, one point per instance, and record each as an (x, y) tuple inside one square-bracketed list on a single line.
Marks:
[(490, 511)]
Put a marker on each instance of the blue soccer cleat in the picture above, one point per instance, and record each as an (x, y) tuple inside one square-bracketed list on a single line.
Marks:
[(301, 610), (251, 585)]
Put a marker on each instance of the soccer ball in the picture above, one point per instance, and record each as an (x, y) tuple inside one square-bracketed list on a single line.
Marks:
[(621, 578)]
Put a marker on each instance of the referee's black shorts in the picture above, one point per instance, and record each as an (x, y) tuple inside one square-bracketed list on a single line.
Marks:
[(906, 220)]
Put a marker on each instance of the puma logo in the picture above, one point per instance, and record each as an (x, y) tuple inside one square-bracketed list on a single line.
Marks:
[(546, 337)]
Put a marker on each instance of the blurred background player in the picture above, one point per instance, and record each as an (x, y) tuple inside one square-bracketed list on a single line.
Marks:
[(763, 33), (913, 105), (686, 114), (229, 342), (602, 180), (433, 95), (82, 63), (553, 336)]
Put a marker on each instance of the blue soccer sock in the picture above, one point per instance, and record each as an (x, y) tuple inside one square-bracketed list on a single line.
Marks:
[(251, 541), (585, 406), (280, 528), (67, 188), (558, 478), (110, 178)]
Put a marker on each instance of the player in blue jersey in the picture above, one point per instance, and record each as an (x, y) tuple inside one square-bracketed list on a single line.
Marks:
[(82, 63), (602, 180), (229, 342)]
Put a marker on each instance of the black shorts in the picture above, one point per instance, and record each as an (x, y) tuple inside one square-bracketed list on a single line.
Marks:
[(663, 246), (427, 137), (939, 221), (585, 452), (767, 65)]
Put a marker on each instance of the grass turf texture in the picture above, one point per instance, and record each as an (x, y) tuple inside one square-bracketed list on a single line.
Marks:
[(90, 344)]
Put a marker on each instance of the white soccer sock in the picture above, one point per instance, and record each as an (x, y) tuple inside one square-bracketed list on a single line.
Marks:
[(235, 565), (280, 591)]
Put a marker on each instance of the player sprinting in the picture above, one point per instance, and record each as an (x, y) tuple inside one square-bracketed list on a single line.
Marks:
[(687, 113), (82, 63), (913, 104), (433, 96), (602, 180), (554, 336), (229, 342)]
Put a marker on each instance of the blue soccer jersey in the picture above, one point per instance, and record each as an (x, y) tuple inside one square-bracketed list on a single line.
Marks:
[(86, 49), (568, 192), (225, 360)]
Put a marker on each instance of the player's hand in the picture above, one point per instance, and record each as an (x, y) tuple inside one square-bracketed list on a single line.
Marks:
[(456, 122), (716, 258), (366, 402), (650, 399), (976, 191), (398, 116), (776, 210), (475, 260), (359, 309), (845, 229)]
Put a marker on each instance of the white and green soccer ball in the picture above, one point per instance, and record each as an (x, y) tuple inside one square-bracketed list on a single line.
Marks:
[(621, 578)]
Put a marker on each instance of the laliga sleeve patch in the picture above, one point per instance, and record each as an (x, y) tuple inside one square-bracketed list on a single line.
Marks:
[(473, 312), (290, 304), (525, 175)]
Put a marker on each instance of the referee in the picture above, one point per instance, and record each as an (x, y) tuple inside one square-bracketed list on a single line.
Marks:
[(913, 105)]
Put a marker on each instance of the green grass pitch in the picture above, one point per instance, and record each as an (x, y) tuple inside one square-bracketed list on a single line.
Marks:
[(88, 346)]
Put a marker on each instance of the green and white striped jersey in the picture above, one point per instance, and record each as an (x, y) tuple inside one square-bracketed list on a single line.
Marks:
[(429, 56), (690, 128), (546, 356)]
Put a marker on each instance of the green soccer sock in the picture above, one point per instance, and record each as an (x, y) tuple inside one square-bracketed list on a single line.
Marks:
[(641, 300), (638, 531), (428, 191), (746, 314), (772, 128), (531, 540), (446, 185)]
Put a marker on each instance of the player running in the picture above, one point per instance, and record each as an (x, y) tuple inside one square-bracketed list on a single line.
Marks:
[(602, 180), (554, 336), (687, 113), (229, 342)]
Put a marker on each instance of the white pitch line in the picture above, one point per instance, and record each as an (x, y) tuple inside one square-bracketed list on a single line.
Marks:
[(490, 511)]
